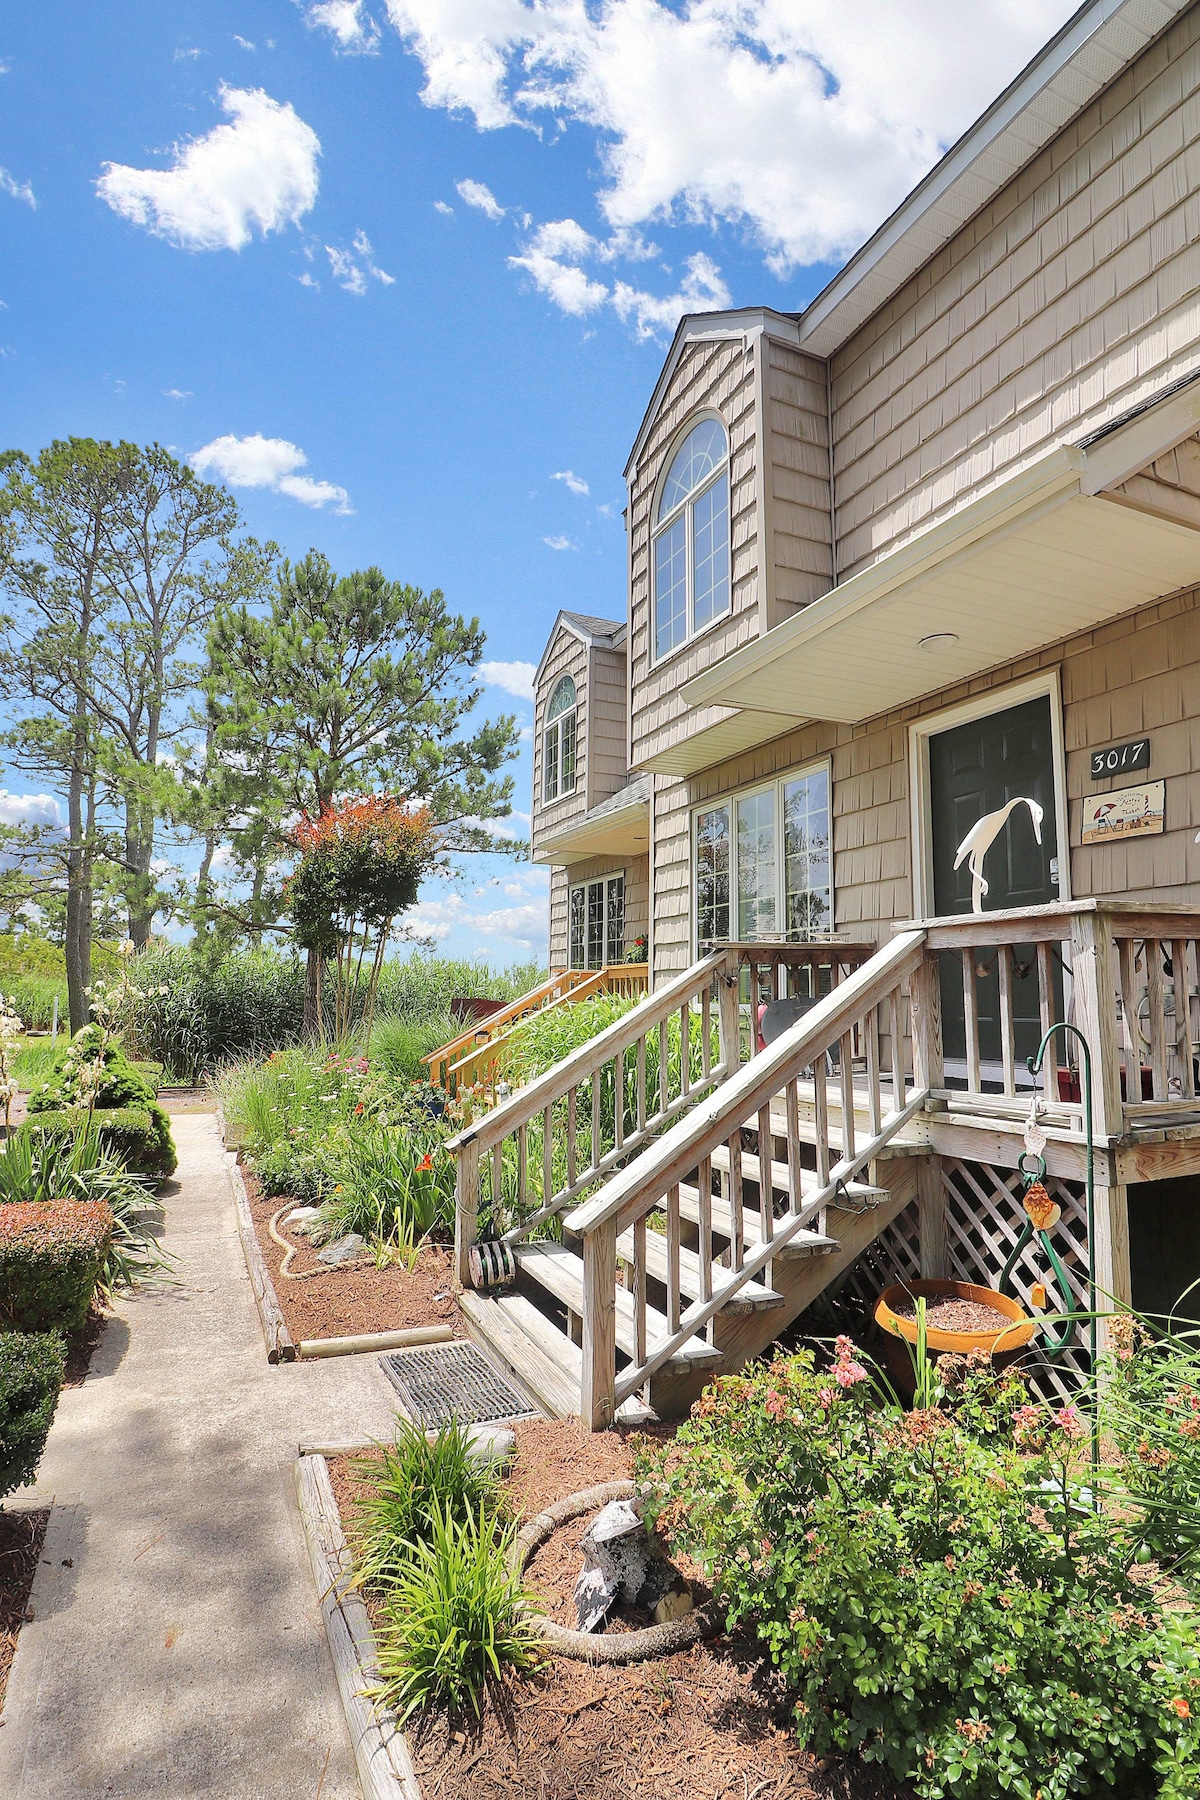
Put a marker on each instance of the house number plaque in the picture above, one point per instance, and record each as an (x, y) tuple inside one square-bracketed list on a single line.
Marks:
[(1120, 759)]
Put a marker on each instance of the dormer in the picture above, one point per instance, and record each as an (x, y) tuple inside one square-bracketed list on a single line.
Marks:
[(581, 799)]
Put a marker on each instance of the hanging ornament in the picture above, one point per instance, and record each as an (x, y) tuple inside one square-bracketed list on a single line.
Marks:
[(1044, 1212), (1035, 1137), (1037, 1295)]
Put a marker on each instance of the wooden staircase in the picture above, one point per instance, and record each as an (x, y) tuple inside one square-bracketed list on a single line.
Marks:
[(671, 1207)]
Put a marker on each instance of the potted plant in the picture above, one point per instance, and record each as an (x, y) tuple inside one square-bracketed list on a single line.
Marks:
[(959, 1317)]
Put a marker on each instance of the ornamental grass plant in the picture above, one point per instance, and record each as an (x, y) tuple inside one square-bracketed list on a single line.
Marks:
[(942, 1599), (410, 1480)]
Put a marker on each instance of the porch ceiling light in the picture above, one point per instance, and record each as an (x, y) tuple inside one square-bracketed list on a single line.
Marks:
[(938, 640)]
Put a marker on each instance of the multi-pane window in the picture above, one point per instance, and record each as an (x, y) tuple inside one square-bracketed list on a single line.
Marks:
[(558, 743), (762, 863), (596, 922), (691, 538)]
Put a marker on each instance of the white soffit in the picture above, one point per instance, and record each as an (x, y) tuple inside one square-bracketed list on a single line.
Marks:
[(727, 736), (619, 833), (1089, 52)]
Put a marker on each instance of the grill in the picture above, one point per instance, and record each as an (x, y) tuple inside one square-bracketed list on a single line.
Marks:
[(452, 1381)]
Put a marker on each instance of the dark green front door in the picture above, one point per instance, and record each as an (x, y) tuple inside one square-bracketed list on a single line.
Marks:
[(976, 769)]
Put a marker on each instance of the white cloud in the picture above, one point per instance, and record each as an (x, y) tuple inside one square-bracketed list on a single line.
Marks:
[(187, 55), (515, 678), (441, 206), (525, 925), (244, 42), (351, 24), (701, 290), (16, 190), (353, 272), (559, 543), (178, 394), (575, 483), (258, 172), (273, 463), (805, 124), (29, 809), (552, 257), (309, 281), (475, 194)]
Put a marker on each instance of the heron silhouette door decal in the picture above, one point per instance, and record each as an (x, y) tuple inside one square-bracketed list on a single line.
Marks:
[(983, 835)]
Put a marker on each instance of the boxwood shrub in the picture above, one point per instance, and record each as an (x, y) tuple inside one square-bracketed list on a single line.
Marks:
[(139, 1135), (51, 1255), (31, 1375)]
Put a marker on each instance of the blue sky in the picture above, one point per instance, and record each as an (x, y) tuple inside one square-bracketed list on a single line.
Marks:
[(402, 271)]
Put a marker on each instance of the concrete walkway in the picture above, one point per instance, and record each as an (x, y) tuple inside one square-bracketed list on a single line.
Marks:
[(176, 1647)]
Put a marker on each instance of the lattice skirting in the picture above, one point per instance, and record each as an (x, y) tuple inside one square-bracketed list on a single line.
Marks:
[(983, 1221)]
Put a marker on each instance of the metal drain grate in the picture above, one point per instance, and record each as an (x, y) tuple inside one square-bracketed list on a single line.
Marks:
[(452, 1381)]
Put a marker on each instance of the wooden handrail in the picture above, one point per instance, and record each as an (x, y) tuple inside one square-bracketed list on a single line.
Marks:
[(533, 1099), (484, 1028), (591, 983), (637, 1189)]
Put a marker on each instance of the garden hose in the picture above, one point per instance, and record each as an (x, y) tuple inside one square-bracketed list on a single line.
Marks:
[(291, 1249)]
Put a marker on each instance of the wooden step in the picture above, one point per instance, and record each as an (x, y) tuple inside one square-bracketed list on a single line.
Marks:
[(560, 1272), (780, 1182), (753, 1297), (529, 1346), (805, 1243)]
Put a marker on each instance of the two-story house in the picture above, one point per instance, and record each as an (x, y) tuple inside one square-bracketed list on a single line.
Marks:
[(925, 548)]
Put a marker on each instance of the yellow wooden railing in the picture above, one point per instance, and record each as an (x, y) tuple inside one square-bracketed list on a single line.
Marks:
[(470, 1060)]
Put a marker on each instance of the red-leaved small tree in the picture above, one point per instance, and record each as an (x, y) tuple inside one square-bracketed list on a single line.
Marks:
[(361, 865)]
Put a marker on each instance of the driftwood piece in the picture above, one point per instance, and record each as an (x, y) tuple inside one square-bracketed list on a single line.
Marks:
[(280, 1347), (385, 1768)]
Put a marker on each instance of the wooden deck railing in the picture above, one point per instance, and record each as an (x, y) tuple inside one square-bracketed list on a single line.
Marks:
[(868, 1009), (470, 1057)]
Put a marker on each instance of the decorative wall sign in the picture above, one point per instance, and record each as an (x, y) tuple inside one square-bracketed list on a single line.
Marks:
[(1129, 812), (1120, 759)]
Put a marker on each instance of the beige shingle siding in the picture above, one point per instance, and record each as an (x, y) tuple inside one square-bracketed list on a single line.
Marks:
[(1169, 486), (1138, 674), (568, 656), (716, 376), (1072, 295), (798, 472), (637, 900), (558, 920), (607, 737)]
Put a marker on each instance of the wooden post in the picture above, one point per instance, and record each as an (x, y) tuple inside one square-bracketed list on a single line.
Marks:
[(1110, 1252), (931, 1215), (925, 996), (728, 1009), (466, 1210), (598, 1399), (1094, 970)]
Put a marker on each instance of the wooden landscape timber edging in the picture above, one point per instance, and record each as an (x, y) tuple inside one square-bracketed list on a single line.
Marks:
[(381, 1755), (280, 1346), (407, 1338)]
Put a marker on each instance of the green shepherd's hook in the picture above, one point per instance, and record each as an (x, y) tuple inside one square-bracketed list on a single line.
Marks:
[(1054, 1347), (1034, 1065)]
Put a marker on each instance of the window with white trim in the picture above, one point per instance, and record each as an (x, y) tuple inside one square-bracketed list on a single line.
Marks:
[(761, 862), (596, 920), (689, 550), (558, 742)]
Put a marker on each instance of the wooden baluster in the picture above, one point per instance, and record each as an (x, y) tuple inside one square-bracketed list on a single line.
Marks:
[(596, 1132), (685, 1049), (795, 1167), (821, 1118), (548, 1155), (1183, 1018), (498, 1210), (737, 1245), (704, 1246), (766, 1180), (673, 1259), (522, 1169), (572, 1132), (641, 1083), (896, 1029), (874, 1105), (1127, 956), (846, 1059), (664, 1082), (639, 1290), (1045, 969), (971, 1019), (1158, 1039), (619, 1099), (706, 1030), (466, 1209), (598, 1398), (1007, 1039)]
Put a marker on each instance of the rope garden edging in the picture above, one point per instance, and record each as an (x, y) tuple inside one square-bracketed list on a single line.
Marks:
[(643, 1645), (278, 1339)]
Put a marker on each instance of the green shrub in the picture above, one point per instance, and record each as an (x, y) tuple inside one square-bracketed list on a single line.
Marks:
[(42, 1164), (455, 1620), (1150, 1413), (120, 1085), (51, 1256), (951, 1608), (138, 1136), (31, 1375), (414, 1480)]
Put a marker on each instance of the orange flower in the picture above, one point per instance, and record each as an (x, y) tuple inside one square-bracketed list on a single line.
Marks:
[(1181, 1707), (360, 1107), (426, 1162)]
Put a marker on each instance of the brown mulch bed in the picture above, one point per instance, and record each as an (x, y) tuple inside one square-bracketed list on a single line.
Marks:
[(82, 1347), (956, 1315), (21, 1538), (710, 1723), (360, 1298)]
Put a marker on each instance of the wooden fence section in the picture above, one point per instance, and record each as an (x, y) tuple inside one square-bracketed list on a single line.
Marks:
[(472, 1056), (820, 1050)]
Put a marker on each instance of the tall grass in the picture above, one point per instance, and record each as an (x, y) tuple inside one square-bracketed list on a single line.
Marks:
[(34, 1062), (400, 1044)]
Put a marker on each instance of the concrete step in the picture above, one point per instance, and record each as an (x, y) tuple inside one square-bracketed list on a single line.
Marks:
[(755, 1296), (525, 1342), (560, 1272)]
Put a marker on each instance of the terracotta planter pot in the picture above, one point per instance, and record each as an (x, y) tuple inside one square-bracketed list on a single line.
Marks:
[(1003, 1346)]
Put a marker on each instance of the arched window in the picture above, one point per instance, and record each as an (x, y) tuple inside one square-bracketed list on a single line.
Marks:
[(690, 545), (558, 745)]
